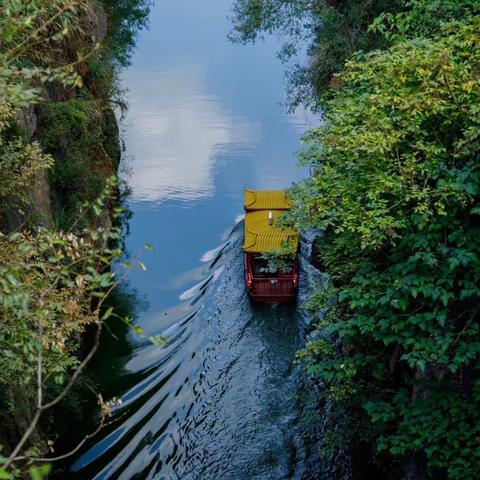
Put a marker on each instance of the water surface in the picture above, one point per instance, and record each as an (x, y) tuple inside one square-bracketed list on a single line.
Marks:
[(218, 401)]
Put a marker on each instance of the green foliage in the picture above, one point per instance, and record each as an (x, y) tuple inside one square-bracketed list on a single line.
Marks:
[(68, 122), (20, 162), (47, 281), (252, 18), (280, 260), (397, 194), (74, 133), (78, 132), (126, 18), (445, 427), (332, 31), (39, 473), (335, 30), (23, 71), (29, 32), (423, 18), (53, 283)]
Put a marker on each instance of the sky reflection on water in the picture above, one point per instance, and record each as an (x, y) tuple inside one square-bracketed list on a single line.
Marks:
[(205, 120), (178, 132), (199, 105)]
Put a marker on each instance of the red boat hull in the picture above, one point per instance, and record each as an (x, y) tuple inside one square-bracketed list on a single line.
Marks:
[(279, 288)]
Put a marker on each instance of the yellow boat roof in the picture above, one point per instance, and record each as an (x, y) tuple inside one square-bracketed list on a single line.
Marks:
[(266, 200), (260, 237)]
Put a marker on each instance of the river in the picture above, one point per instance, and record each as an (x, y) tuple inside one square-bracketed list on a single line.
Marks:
[(219, 400)]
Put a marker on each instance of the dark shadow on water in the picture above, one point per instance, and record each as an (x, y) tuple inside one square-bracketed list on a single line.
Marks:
[(217, 401), (105, 376)]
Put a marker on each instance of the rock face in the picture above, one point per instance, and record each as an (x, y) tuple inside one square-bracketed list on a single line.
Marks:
[(98, 29), (112, 141), (41, 206), (27, 120), (104, 160)]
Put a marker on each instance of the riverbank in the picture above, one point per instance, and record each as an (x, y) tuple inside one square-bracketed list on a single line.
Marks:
[(395, 191), (396, 195), (61, 151)]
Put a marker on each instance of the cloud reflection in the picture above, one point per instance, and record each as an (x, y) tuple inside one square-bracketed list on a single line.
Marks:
[(176, 132)]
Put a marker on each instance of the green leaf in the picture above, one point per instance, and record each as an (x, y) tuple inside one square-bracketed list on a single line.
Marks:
[(41, 472), (5, 475)]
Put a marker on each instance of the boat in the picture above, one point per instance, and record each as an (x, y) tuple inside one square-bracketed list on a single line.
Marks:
[(270, 251)]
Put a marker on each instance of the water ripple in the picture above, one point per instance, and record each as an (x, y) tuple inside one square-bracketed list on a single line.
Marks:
[(218, 401)]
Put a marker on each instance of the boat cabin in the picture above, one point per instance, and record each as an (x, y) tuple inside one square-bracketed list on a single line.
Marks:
[(269, 280)]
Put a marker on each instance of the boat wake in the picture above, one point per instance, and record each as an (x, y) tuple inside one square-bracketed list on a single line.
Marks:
[(218, 401)]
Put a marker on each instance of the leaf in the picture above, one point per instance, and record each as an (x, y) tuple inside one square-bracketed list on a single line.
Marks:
[(5, 475), (158, 340), (41, 472)]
